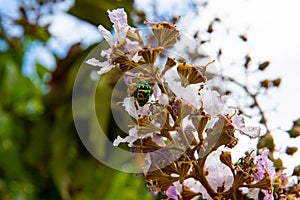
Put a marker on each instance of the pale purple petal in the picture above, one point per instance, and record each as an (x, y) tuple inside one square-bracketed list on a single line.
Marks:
[(263, 165), (95, 62), (154, 191), (189, 128), (129, 76), (106, 53), (118, 16), (172, 193), (106, 68), (107, 35), (238, 121)]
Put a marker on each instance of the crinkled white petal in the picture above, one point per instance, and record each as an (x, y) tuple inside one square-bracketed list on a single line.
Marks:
[(163, 99), (132, 137), (133, 132), (213, 102), (95, 62), (190, 93), (144, 110), (106, 53), (196, 186), (156, 91), (107, 35), (218, 173), (131, 48), (105, 68), (121, 31), (253, 193), (127, 139), (250, 131), (129, 105), (238, 121)]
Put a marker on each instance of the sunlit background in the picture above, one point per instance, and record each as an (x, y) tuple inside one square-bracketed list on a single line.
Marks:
[(41, 156)]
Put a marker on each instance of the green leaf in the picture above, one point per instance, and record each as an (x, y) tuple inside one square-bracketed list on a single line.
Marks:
[(95, 12)]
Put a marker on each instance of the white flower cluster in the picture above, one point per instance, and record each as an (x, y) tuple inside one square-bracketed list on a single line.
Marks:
[(179, 122)]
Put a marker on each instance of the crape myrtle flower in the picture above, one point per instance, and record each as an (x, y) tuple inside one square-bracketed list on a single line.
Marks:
[(264, 168), (179, 125), (122, 49)]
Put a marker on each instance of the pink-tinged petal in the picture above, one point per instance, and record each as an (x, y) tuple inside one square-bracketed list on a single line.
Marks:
[(118, 16), (131, 48), (250, 131), (107, 35), (129, 105), (106, 53), (172, 193), (148, 23), (268, 196)]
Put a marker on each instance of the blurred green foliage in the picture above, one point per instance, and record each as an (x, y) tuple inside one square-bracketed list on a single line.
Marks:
[(41, 155)]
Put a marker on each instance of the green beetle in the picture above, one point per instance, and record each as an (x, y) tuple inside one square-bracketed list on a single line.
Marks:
[(142, 94)]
